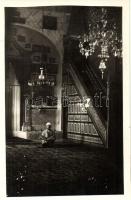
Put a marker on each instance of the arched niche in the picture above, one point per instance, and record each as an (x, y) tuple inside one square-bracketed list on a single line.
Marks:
[(27, 51)]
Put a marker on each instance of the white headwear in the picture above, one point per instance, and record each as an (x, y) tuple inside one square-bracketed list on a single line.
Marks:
[(48, 124)]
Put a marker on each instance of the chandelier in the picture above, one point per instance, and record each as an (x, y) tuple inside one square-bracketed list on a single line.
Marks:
[(42, 79), (101, 36)]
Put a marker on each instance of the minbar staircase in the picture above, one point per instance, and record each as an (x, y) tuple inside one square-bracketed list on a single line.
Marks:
[(97, 115)]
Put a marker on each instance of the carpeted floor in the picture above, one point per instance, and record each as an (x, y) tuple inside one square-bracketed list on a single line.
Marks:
[(64, 169)]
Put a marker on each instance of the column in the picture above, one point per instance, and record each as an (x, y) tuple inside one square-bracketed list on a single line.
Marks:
[(59, 96), (15, 116)]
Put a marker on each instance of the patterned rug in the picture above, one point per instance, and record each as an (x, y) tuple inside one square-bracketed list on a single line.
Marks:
[(65, 169)]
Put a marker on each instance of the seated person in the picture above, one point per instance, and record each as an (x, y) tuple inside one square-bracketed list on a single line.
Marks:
[(48, 136)]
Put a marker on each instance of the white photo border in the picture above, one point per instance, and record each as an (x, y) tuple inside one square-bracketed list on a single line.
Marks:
[(126, 6)]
